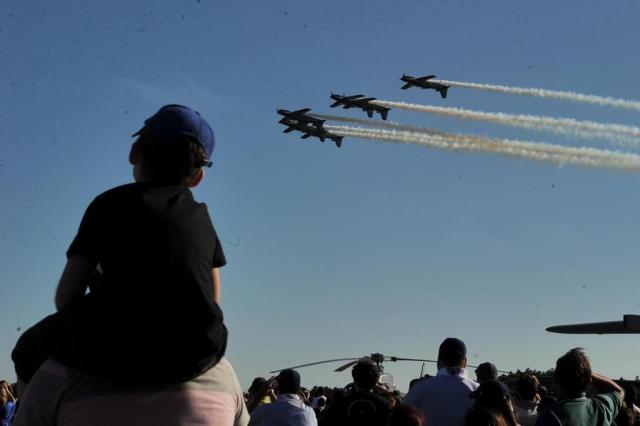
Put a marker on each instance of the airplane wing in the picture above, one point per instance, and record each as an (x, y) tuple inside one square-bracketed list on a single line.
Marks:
[(288, 130), (352, 97), (301, 111), (406, 86), (306, 135), (425, 78), (629, 325)]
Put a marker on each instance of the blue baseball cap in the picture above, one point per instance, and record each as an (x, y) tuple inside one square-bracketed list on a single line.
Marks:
[(173, 121)]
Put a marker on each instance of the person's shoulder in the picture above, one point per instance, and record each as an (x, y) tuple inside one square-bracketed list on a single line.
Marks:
[(610, 400)]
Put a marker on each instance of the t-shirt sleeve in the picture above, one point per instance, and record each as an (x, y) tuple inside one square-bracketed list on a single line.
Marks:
[(219, 259), (86, 241), (610, 404)]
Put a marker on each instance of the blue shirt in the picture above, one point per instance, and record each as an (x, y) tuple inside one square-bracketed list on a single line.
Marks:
[(288, 410)]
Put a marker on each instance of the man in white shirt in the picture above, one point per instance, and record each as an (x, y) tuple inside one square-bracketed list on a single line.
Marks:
[(288, 409), (444, 399)]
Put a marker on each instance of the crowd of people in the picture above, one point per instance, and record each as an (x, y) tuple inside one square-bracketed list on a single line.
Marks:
[(138, 336), (576, 396)]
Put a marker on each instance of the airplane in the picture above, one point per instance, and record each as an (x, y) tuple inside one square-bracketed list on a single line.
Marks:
[(630, 324), (301, 117), (309, 130), (424, 83), (359, 101)]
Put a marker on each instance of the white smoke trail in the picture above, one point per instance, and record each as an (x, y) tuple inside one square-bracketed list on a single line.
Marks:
[(383, 124), (556, 154), (618, 133), (546, 93)]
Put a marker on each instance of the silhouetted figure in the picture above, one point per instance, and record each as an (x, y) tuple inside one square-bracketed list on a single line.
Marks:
[(573, 376), (289, 409), (525, 403), (493, 396), (444, 399), (406, 415), (482, 416)]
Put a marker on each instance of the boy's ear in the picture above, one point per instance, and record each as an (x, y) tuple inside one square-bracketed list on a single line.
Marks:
[(134, 153), (196, 180)]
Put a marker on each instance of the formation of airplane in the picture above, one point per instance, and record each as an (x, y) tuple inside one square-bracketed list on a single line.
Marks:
[(359, 101), (299, 120), (424, 83), (307, 125)]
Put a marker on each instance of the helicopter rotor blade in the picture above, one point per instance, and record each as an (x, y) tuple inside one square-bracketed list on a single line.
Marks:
[(315, 363), (347, 365)]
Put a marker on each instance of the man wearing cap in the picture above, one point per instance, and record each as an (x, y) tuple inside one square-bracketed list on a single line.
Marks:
[(444, 399), (289, 409), (149, 254)]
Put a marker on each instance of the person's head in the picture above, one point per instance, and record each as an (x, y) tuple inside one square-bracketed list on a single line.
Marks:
[(288, 381), (406, 415), (527, 387), (172, 147), (573, 372), (630, 393), (452, 353), (626, 417), (257, 383), (5, 393), (486, 371), (365, 374), (483, 416), (493, 395)]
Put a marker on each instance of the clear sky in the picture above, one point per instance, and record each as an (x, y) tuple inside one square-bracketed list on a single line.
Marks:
[(373, 247)]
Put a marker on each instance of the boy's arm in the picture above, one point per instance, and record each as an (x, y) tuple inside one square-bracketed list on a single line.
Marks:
[(74, 280), (215, 275)]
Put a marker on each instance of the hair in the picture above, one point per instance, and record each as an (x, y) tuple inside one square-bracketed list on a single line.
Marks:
[(527, 387), (630, 393), (365, 374), (406, 415), (256, 384), (5, 394), (573, 372), (483, 416), (174, 163), (452, 353), (626, 417), (499, 404)]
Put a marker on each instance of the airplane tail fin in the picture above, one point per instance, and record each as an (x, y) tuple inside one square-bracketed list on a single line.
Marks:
[(443, 92), (338, 141), (384, 114), (370, 113)]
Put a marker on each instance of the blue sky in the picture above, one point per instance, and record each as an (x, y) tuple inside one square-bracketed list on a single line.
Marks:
[(373, 247)]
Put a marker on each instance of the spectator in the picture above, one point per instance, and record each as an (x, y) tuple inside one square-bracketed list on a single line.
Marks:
[(444, 399), (289, 409), (486, 371), (406, 415), (573, 376), (630, 397), (626, 417), (144, 250), (59, 395), (525, 404), (363, 404), (493, 396), (482, 416), (7, 404)]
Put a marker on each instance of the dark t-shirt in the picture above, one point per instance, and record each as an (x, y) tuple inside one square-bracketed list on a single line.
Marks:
[(151, 315), (358, 408)]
